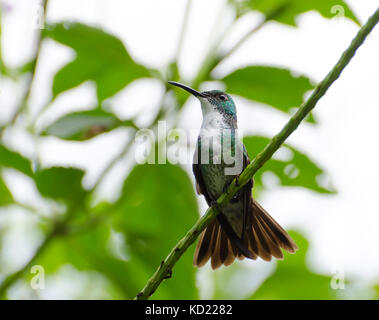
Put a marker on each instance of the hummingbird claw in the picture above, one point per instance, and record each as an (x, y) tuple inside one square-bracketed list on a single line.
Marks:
[(215, 205), (237, 182), (237, 195)]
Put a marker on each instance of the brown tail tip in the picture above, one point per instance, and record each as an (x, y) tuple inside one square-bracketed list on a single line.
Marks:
[(264, 238)]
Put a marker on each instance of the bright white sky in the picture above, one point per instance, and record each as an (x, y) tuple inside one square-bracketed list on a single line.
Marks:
[(343, 227)]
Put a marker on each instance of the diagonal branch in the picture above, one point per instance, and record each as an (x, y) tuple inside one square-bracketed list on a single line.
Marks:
[(165, 268)]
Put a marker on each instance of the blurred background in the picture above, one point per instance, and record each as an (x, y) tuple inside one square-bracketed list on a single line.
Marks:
[(80, 219)]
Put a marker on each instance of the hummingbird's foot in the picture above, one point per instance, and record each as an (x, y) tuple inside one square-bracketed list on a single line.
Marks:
[(215, 205), (237, 182), (236, 197)]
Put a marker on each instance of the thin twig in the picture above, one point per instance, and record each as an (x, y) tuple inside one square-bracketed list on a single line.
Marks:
[(213, 59), (183, 30), (8, 281), (166, 267), (272, 15), (2, 66), (129, 144), (57, 228), (112, 163), (24, 100)]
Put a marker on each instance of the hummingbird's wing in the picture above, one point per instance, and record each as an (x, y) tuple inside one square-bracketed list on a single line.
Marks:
[(200, 186), (246, 193), (219, 240)]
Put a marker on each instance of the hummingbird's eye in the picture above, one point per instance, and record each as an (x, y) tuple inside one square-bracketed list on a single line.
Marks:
[(223, 97)]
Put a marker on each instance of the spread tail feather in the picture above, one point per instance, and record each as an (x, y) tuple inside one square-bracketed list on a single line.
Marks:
[(264, 238)]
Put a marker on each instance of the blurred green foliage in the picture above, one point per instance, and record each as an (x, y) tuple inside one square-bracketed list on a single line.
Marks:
[(273, 86), (156, 208), (149, 222), (14, 160), (100, 57), (125, 241), (83, 125), (290, 9), (297, 170), (61, 184), (5, 195), (292, 272)]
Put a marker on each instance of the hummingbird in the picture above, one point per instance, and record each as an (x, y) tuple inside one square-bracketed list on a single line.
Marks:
[(243, 228)]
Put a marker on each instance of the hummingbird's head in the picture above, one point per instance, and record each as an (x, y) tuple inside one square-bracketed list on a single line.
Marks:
[(214, 100)]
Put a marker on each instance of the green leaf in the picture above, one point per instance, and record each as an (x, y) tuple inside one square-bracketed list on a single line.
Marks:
[(5, 195), (288, 10), (83, 125), (14, 160), (22, 69), (101, 57), (61, 183), (157, 207), (276, 87), (297, 171), (26, 67), (293, 280)]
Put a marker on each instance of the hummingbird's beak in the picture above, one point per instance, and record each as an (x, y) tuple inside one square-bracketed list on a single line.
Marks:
[(190, 90)]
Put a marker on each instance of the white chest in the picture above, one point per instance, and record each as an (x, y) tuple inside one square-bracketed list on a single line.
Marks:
[(211, 133)]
